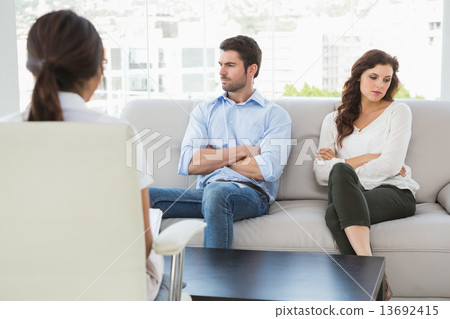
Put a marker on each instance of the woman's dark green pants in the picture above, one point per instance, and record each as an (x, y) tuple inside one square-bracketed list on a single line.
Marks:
[(350, 204)]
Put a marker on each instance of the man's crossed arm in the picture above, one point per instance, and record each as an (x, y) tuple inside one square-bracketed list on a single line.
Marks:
[(239, 158)]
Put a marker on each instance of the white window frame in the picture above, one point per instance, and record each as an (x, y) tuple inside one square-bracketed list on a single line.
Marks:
[(445, 69), (9, 81)]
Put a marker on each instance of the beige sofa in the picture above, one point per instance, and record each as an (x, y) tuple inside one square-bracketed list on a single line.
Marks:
[(417, 249)]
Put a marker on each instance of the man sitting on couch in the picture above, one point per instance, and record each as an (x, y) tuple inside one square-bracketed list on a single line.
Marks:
[(238, 144)]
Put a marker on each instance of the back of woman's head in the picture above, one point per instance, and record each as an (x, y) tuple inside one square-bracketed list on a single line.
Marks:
[(350, 109), (64, 52)]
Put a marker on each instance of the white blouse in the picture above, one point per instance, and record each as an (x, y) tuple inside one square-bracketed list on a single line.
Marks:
[(388, 135)]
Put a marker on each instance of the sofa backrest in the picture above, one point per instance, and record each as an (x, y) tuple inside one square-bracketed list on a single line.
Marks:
[(307, 114), (426, 156), (429, 150), (170, 118)]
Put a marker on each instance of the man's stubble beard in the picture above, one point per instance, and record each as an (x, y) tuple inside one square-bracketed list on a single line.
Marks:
[(233, 87)]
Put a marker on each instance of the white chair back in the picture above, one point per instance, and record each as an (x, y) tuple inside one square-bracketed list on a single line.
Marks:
[(70, 213)]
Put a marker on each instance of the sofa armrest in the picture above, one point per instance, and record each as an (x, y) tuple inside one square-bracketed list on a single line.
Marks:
[(172, 240), (443, 197)]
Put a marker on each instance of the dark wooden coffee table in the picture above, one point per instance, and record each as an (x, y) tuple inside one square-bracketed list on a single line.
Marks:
[(222, 274)]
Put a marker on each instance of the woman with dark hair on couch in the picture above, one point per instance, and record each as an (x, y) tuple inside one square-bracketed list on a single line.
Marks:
[(66, 56), (361, 156)]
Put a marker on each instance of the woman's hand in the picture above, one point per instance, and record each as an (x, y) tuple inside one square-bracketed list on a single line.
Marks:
[(402, 172), (325, 154)]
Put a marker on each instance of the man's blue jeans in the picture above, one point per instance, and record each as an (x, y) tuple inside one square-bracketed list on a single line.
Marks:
[(219, 203)]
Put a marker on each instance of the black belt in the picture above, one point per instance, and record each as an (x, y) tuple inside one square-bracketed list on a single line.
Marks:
[(251, 185)]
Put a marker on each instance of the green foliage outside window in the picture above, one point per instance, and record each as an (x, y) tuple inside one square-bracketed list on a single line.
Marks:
[(307, 90), (290, 90), (404, 94)]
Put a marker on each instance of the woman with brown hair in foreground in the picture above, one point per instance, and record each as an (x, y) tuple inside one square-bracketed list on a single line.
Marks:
[(66, 56)]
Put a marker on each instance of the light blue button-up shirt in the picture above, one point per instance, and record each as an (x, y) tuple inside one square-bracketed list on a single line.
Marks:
[(222, 124)]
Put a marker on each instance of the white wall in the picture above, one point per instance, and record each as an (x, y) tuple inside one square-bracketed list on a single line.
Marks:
[(9, 82), (445, 83)]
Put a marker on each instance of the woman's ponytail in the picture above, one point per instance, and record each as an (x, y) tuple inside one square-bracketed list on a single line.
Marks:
[(45, 105)]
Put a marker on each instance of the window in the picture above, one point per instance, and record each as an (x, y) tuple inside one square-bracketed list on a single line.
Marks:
[(116, 83), (192, 83), (138, 58), (138, 83), (161, 62), (312, 42), (193, 57), (116, 59)]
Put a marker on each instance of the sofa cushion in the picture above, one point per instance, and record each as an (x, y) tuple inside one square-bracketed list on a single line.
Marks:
[(417, 251), (299, 225), (289, 226), (415, 233)]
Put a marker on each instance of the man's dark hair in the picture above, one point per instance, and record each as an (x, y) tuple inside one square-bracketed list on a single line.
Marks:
[(248, 50)]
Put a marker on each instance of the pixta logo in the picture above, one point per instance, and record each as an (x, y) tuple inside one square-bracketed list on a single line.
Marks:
[(145, 147)]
